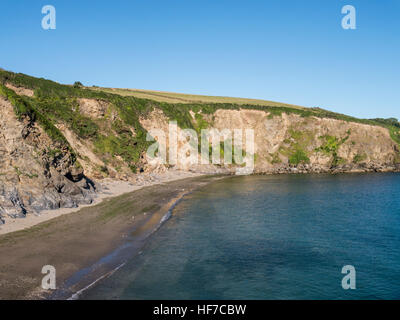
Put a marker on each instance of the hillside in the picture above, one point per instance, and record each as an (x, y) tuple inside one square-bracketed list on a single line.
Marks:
[(57, 140), (173, 97)]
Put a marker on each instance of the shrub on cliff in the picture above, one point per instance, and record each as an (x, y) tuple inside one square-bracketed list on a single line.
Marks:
[(299, 157)]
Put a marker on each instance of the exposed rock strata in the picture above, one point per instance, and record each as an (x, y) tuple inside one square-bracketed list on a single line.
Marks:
[(330, 145), (36, 173)]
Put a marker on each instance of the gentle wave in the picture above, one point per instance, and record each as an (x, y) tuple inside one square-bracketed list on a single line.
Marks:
[(164, 218), (76, 295)]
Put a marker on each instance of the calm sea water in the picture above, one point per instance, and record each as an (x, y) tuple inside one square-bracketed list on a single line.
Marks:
[(272, 237)]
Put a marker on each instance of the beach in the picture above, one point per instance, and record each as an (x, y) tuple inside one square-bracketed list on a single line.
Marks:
[(73, 239), (270, 237), (108, 188)]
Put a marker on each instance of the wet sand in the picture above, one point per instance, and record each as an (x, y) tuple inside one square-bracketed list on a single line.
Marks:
[(75, 241), (109, 188)]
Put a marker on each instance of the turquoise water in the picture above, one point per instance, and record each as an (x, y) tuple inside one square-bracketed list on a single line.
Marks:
[(271, 237)]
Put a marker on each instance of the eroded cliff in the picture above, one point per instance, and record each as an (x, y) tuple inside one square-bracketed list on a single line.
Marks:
[(56, 140)]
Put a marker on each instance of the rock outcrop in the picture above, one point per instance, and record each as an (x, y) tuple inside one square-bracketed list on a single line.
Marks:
[(36, 173), (56, 140), (324, 145)]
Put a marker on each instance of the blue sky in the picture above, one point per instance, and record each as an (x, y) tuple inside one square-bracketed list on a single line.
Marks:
[(283, 50)]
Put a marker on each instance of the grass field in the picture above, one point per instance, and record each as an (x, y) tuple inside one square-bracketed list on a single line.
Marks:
[(172, 97)]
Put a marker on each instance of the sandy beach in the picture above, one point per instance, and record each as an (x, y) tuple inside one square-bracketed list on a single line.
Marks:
[(109, 188), (73, 241)]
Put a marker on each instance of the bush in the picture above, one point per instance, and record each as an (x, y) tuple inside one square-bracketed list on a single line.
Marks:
[(78, 84), (299, 157)]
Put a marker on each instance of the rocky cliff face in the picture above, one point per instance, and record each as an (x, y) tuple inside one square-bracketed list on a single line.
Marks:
[(291, 143), (56, 140), (288, 143), (36, 173)]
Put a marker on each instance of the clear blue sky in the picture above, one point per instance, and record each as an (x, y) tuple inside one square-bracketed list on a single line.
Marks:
[(290, 51)]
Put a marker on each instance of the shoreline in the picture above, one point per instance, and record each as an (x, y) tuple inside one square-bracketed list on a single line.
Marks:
[(85, 245), (109, 189), (79, 283)]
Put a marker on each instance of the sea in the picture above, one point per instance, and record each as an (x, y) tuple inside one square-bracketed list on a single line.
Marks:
[(300, 236)]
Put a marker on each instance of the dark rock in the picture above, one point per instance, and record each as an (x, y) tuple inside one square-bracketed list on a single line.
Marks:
[(19, 208), (67, 202)]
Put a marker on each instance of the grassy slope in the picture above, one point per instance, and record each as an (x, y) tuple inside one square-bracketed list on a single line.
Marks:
[(54, 103), (172, 97), (211, 103)]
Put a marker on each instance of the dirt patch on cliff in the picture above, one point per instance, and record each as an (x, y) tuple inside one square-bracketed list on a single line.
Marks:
[(20, 90), (87, 158), (93, 108)]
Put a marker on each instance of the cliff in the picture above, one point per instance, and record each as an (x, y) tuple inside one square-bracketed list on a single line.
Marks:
[(57, 140)]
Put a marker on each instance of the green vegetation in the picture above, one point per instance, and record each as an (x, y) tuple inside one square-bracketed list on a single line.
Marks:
[(54, 103), (359, 158), (78, 84), (275, 158), (296, 146), (331, 146), (174, 98), (209, 104), (20, 173), (179, 113), (394, 133), (182, 103), (124, 136), (53, 153), (23, 108), (298, 157), (201, 123)]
